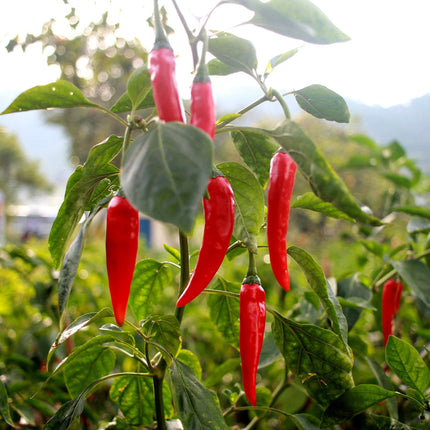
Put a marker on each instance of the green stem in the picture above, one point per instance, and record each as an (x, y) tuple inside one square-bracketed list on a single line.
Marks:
[(161, 40), (113, 115), (159, 405), (244, 111), (127, 137), (191, 39), (282, 102), (252, 275), (185, 272)]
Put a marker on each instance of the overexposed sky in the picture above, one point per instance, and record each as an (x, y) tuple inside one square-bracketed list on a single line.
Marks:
[(385, 63)]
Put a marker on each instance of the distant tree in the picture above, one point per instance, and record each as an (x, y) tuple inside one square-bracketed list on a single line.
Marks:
[(16, 171), (98, 62)]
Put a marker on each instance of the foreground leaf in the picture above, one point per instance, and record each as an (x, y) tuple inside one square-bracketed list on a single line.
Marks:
[(60, 94), (322, 102), (312, 202), (149, 279), (316, 357), (166, 171), (256, 150), (353, 402), (224, 310), (417, 275), (249, 203), (236, 53), (315, 277), (299, 19), (79, 191), (134, 396), (405, 361), (198, 407), (4, 405)]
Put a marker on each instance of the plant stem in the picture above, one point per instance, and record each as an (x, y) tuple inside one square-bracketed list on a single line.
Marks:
[(281, 101), (185, 272), (243, 111), (159, 405), (127, 137)]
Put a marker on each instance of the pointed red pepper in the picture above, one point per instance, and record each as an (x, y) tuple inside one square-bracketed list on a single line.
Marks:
[(162, 69), (391, 295), (251, 333), (281, 183), (122, 234)]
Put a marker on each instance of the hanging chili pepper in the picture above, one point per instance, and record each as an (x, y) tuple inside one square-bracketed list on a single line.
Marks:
[(281, 183), (251, 333), (219, 221), (122, 233), (391, 295), (203, 114), (162, 69)]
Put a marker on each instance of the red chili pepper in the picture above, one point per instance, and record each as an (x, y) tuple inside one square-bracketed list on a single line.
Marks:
[(162, 69), (203, 113), (281, 183), (251, 333), (391, 295), (219, 221), (122, 234)]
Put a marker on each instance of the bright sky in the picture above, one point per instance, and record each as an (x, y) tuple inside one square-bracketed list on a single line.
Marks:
[(385, 63)]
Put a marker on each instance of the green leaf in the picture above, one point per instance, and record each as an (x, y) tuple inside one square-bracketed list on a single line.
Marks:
[(134, 396), (299, 19), (228, 117), (353, 402), (149, 279), (97, 361), (249, 200), (66, 415), (191, 360), (385, 382), (269, 352), (365, 141), (71, 261), (279, 59), (164, 330), (379, 422), (256, 150), (316, 357), (79, 324), (305, 421), (237, 53), (224, 310), (80, 188), (166, 171), (399, 180), (173, 252), (60, 94), (323, 180), (312, 202), (373, 247), (322, 102), (218, 68), (405, 361), (124, 104), (316, 279), (217, 374), (139, 86), (198, 407), (4, 405), (417, 275), (414, 210)]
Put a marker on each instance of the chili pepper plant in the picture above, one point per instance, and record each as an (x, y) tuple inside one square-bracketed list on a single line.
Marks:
[(287, 332)]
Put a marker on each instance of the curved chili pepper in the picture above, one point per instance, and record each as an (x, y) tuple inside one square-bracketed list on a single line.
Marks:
[(251, 333), (391, 295), (162, 69), (122, 234), (219, 221), (281, 183)]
